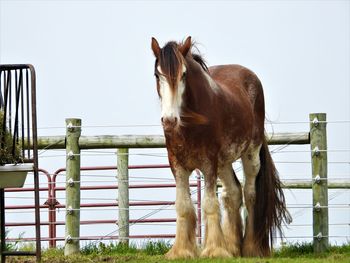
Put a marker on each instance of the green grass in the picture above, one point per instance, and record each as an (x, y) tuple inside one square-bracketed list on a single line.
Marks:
[(154, 252), (110, 249), (306, 250), (150, 248), (294, 250), (156, 248), (13, 246)]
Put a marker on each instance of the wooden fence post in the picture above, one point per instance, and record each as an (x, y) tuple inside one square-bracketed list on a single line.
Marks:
[(72, 233), (318, 143), (123, 194)]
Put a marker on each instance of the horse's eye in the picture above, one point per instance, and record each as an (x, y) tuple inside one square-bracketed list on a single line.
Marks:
[(156, 75), (183, 76)]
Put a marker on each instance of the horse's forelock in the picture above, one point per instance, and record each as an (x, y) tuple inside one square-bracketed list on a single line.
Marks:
[(171, 62)]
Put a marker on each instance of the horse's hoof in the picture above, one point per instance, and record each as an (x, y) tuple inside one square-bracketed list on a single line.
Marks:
[(235, 251), (176, 253), (253, 251), (215, 252)]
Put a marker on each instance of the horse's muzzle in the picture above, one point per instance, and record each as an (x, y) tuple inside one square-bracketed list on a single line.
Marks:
[(169, 123)]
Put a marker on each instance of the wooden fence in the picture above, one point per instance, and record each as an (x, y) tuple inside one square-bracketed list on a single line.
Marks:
[(73, 142)]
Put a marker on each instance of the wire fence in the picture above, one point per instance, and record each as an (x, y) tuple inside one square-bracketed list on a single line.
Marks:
[(300, 208), (267, 122)]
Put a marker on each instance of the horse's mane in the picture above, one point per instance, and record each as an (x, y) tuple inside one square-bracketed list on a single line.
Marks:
[(199, 59), (171, 59)]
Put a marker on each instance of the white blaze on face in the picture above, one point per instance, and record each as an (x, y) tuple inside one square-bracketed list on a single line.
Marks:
[(170, 103)]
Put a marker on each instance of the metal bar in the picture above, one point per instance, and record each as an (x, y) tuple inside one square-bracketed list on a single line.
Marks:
[(10, 102), (28, 115), (6, 88), (14, 66), (138, 186), (51, 202), (2, 225), (22, 115), (1, 97), (35, 159), (114, 167), (141, 203), (19, 253), (96, 238), (93, 222), (27, 189), (18, 83)]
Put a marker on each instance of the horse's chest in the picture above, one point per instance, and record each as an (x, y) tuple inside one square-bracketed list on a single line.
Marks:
[(187, 154)]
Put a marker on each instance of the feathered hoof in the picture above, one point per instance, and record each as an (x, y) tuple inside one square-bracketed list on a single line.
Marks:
[(215, 252), (235, 251), (249, 250), (176, 253)]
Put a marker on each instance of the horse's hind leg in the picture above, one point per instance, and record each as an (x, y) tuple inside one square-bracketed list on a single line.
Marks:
[(232, 201), (251, 167), (185, 241), (214, 243)]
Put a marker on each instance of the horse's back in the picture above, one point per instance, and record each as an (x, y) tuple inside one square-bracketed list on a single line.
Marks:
[(234, 77), (244, 86)]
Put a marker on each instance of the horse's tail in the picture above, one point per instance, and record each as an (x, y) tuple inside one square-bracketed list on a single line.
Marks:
[(270, 207)]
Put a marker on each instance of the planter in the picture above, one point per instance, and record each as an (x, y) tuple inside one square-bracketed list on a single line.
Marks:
[(14, 175)]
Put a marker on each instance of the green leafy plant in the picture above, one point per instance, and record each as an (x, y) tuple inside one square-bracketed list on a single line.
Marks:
[(157, 248), (13, 246), (149, 248), (107, 249), (9, 153)]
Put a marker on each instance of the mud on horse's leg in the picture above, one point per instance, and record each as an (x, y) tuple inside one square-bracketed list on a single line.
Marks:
[(185, 241), (214, 244), (251, 167), (232, 201)]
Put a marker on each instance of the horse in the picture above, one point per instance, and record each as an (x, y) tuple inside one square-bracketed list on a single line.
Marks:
[(212, 116)]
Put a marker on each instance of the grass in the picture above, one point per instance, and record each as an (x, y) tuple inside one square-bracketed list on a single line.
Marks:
[(150, 248), (154, 252), (13, 246)]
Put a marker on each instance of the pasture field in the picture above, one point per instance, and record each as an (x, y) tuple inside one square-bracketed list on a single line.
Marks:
[(154, 252)]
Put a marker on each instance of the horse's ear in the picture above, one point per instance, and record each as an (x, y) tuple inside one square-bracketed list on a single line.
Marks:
[(155, 47), (185, 47)]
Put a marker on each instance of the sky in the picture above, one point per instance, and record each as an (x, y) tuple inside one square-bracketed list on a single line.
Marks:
[(93, 61)]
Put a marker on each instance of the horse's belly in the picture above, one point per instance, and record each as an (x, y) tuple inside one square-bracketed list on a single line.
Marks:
[(232, 152), (191, 157)]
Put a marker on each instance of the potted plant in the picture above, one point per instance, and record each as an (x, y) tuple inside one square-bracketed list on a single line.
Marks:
[(13, 171)]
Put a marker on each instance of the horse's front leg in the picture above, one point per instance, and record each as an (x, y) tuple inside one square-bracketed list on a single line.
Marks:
[(214, 243), (185, 241)]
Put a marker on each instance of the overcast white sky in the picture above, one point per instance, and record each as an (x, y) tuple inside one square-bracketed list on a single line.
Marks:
[(93, 58)]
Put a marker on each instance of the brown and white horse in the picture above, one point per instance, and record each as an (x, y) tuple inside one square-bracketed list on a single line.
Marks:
[(211, 117)]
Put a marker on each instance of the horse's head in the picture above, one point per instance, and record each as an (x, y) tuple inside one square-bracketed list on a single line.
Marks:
[(170, 72)]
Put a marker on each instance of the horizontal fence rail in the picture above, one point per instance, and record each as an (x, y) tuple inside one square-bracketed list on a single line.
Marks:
[(148, 141)]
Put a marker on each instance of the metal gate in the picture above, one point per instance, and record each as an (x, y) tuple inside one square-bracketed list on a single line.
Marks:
[(18, 106)]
